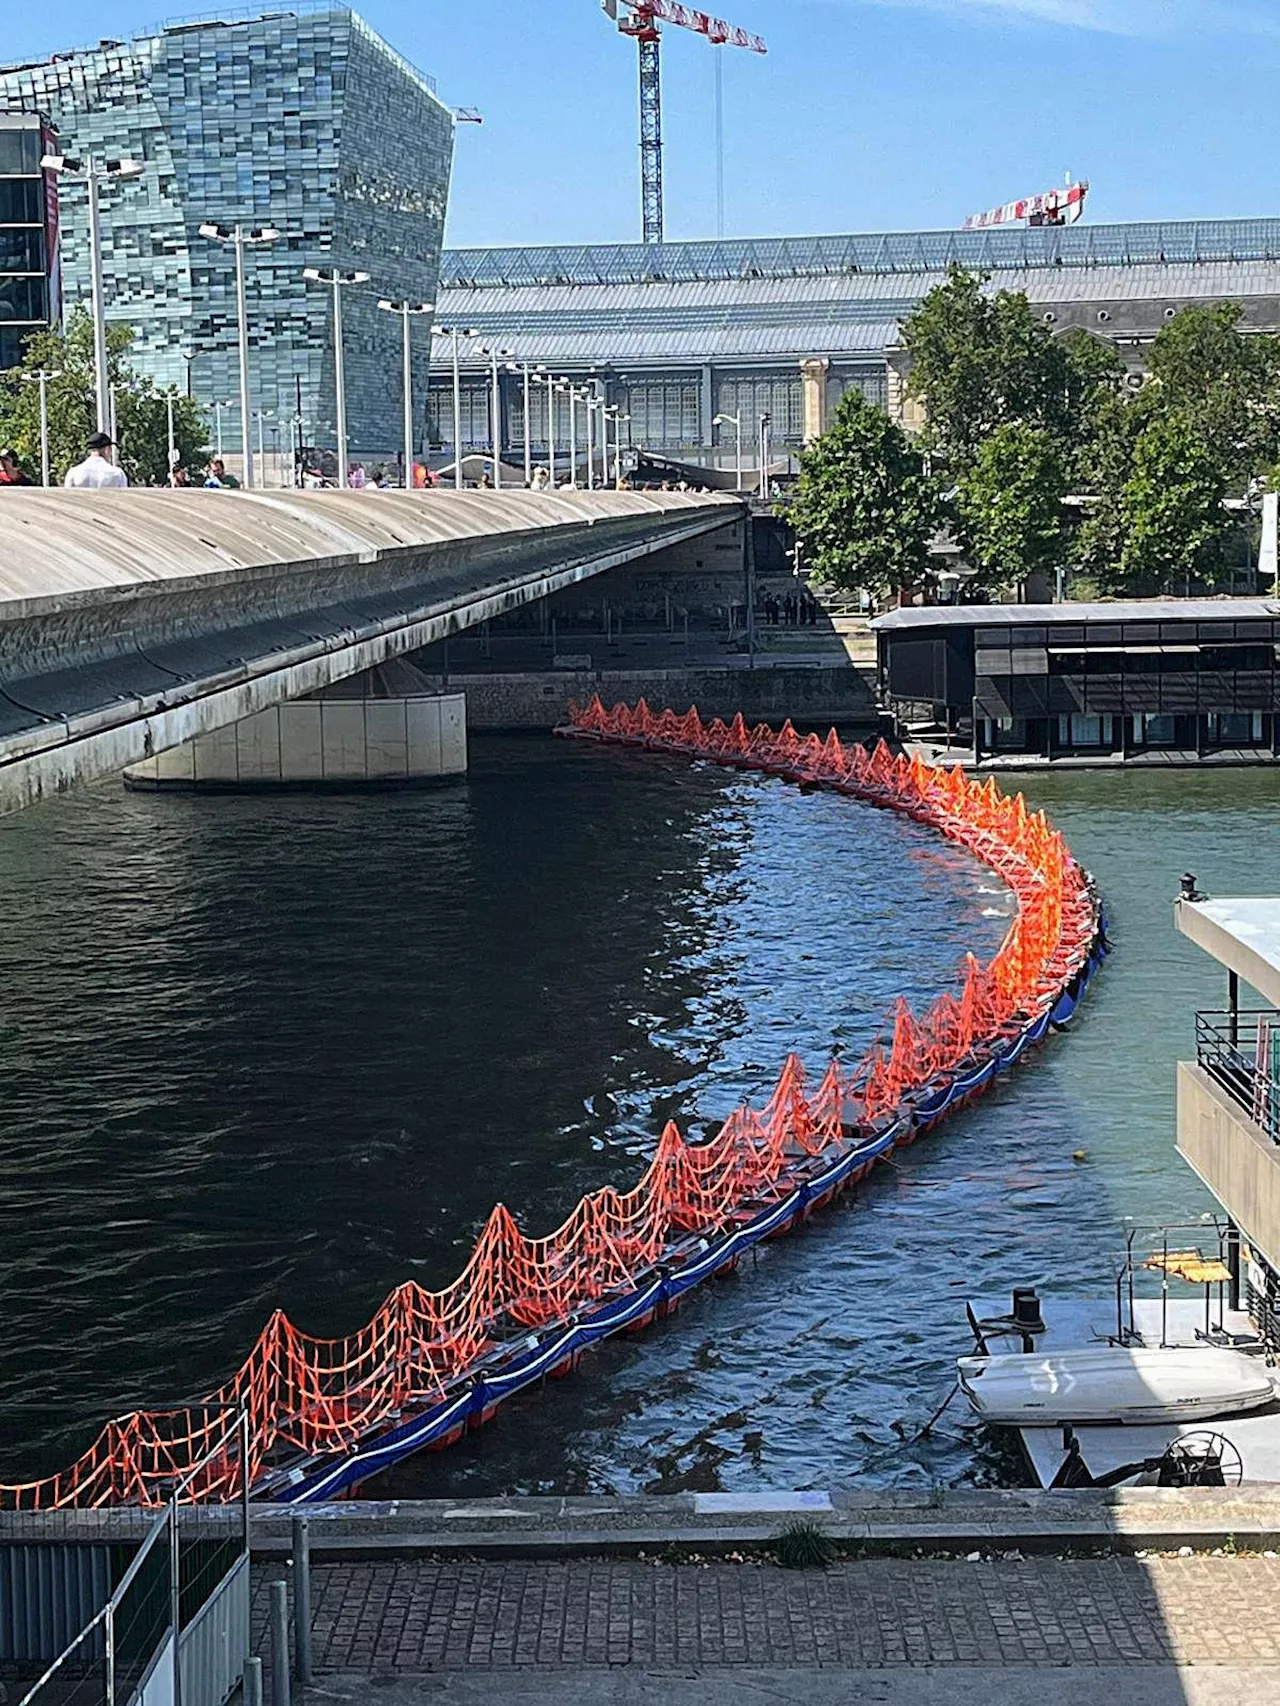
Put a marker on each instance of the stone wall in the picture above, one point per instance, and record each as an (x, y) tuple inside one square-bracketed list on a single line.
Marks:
[(807, 694)]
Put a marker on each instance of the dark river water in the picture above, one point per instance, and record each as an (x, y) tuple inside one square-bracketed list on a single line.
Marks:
[(263, 1052)]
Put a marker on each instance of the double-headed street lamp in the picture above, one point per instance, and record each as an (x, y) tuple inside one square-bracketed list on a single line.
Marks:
[(93, 172), (407, 310), (239, 238), (337, 278), (42, 380), (217, 424), (495, 425), (530, 372), (735, 421), (456, 332), (542, 377)]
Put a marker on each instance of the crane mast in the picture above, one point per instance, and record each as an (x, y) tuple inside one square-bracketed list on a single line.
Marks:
[(641, 21)]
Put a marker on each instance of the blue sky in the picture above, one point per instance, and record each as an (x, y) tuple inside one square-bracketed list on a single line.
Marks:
[(866, 114)]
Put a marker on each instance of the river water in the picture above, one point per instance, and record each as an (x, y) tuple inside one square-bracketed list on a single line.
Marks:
[(264, 1052)]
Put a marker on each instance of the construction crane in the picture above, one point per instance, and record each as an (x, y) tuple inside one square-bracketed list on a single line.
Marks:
[(1055, 207), (641, 20)]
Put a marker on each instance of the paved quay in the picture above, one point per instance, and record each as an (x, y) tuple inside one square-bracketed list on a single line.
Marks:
[(907, 1632)]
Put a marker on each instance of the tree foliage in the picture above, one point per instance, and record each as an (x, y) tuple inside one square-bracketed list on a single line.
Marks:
[(1009, 510), (1173, 526), (141, 408), (981, 361), (864, 509)]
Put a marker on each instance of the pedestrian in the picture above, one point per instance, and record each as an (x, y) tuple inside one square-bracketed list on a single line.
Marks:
[(11, 473), (220, 477), (357, 479), (97, 469), (540, 478), (178, 478)]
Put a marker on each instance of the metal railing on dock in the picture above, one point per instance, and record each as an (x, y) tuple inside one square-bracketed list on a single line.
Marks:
[(1241, 1050)]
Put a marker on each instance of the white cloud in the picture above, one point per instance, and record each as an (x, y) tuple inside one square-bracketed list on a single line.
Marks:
[(1115, 17)]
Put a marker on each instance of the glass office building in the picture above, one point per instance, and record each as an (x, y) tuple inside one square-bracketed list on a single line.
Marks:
[(302, 120), (28, 233)]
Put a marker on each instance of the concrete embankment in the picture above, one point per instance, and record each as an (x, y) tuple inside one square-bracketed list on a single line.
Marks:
[(825, 694), (943, 1520)]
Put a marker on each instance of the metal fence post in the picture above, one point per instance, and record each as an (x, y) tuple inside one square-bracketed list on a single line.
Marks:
[(109, 1640), (175, 1598), (253, 1681), (302, 1599), (279, 1645)]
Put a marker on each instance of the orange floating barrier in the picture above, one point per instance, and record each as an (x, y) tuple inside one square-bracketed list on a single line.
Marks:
[(431, 1364)]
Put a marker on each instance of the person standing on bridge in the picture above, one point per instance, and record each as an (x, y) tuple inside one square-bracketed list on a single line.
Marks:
[(97, 469)]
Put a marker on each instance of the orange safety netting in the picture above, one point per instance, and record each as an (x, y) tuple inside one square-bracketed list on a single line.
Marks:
[(308, 1397)]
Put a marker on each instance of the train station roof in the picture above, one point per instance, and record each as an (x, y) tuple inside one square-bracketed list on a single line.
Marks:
[(1159, 243)]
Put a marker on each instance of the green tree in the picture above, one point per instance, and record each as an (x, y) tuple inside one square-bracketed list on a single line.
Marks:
[(1204, 367), (864, 509), (1172, 524), (1095, 375), (1009, 508), (981, 361), (141, 409)]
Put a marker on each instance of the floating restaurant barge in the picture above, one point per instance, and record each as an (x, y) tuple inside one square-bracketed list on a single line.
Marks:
[(319, 1416)]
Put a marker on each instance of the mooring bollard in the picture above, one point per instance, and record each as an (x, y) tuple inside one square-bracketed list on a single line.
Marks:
[(253, 1681), (279, 1644), (301, 1600)]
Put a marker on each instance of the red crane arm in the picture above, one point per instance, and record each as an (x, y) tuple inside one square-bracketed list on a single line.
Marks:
[(715, 29)]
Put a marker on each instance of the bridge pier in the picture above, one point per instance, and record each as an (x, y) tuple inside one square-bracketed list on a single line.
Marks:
[(346, 740)]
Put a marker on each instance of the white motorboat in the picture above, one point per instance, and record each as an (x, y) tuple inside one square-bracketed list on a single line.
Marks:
[(1116, 1384)]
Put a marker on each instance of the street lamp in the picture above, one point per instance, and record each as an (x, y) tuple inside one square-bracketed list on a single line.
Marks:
[(617, 448), (542, 377), (263, 415), (735, 421), (456, 332), (217, 424), (42, 380), (764, 455), (529, 373), (573, 432), (240, 238), (495, 423), (406, 309), (93, 172), (336, 277)]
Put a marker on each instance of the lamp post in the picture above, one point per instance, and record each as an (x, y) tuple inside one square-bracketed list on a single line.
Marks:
[(406, 310), (573, 434), (42, 380), (540, 376), (262, 415), (530, 373), (735, 421), (617, 448), (495, 412), (93, 172), (456, 332), (764, 456), (337, 278), (217, 423), (589, 410), (239, 238)]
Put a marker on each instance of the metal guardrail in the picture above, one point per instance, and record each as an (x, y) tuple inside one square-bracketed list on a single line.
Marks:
[(1241, 1051)]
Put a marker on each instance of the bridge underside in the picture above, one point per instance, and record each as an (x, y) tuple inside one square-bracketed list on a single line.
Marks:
[(135, 621)]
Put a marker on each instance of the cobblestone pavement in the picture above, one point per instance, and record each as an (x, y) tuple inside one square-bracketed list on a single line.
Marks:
[(425, 1615)]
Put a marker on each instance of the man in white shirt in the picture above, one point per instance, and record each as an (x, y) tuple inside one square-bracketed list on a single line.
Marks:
[(97, 469)]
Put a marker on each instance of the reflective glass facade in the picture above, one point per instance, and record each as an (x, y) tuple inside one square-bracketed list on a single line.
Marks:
[(305, 121), (28, 234)]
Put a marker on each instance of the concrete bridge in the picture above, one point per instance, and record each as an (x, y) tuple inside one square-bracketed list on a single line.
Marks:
[(134, 621)]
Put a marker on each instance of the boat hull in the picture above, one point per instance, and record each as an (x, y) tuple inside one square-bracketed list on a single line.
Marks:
[(1116, 1385)]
